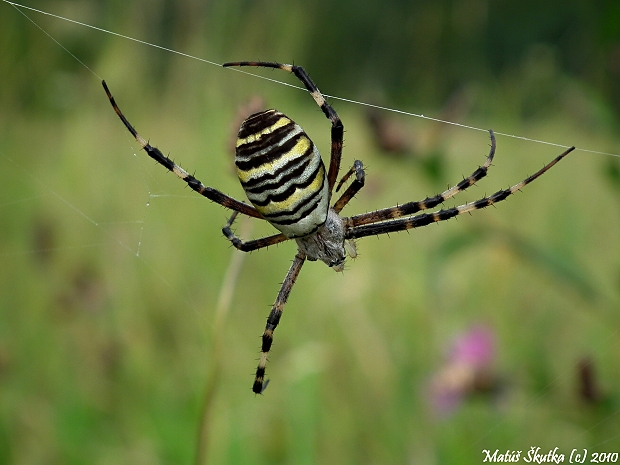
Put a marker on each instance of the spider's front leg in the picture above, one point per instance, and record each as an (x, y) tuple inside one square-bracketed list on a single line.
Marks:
[(410, 208), (402, 224), (354, 187), (249, 246), (274, 319), (337, 132)]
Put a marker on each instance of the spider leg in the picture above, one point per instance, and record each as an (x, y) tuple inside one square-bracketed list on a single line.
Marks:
[(441, 215), (274, 319), (195, 184), (337, 132), (354, 187), (248, 246), (429, 202)]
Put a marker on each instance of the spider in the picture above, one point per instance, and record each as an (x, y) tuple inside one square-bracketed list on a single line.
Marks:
[(283, 176)]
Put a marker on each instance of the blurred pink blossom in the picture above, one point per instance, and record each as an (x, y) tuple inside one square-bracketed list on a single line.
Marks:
[(468, 369)]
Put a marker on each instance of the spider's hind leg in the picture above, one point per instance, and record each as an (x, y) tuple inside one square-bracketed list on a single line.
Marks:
[(248, 246), (274, 318)]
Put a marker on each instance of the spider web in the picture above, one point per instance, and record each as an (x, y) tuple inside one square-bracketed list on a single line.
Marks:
[(141, 224)]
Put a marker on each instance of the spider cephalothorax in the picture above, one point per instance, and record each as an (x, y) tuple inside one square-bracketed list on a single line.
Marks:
[(327, 243), (285, 179)]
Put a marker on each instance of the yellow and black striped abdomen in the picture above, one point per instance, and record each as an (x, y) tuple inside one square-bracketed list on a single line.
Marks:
[(282, 173)]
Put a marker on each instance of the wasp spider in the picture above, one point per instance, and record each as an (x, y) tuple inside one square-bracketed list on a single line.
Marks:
[(284, 178)]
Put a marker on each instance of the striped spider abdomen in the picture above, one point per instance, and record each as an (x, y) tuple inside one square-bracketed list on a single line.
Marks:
[(282, 173)]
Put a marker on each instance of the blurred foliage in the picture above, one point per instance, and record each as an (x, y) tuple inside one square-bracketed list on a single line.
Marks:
[(110, 341), (411, 52)]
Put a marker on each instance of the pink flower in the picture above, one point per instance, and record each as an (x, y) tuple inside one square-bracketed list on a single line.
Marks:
[(468, 369)]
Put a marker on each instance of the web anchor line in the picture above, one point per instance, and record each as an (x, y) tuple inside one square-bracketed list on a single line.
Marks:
[(19, 8)]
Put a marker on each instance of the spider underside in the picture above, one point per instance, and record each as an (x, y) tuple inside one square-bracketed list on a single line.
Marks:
[(283, 175)]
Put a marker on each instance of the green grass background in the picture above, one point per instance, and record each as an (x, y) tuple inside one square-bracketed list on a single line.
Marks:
[(111, 268)]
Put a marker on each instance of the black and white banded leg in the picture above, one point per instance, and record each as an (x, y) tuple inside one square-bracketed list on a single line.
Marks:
[(248, 246), (337, 131), (195, 184), (402, 224), (274, 318), (410, 208), (354, 187)]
